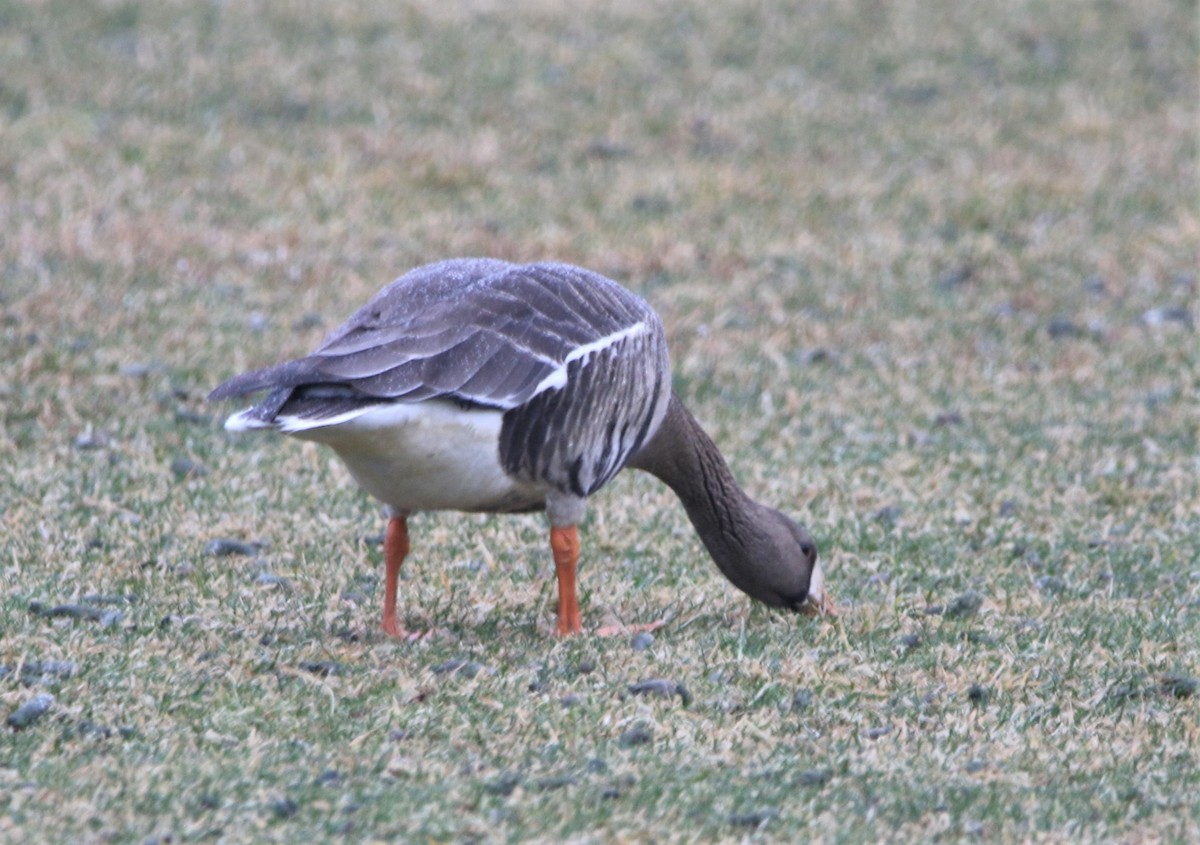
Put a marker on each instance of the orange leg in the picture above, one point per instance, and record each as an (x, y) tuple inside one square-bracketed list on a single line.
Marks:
[(565, 544), (395, 549)]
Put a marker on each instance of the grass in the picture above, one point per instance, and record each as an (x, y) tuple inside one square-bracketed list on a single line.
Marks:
[(929, 272)]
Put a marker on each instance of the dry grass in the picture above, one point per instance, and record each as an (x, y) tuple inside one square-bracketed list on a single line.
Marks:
[(930, 276)]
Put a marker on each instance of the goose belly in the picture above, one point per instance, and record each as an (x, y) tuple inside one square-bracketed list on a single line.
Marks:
[(431, 455)]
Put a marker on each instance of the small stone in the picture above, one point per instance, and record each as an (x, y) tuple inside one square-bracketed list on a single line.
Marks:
[(754, 818), (551, 783), (911, 641), (802, 699), (636, 735), (322, 668), (814, 777), (93, 439), (329, 777), (105, 600), (954, 278), (978, 695), (269, 579), (888, 515), (284, 808), (1168, 314), (227, 547), (1179, 685), (42, 672), (1061, 327), (139, 369), (642, 641), (585, 667), (964, 606), (602, 148), (662, 688), (183, 467), (76, 611), (1051, 584), (29, 712), (975, 766), (504, 785), (877, 733)]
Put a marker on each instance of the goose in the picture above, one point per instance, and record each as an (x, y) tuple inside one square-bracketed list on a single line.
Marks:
[(479, 385)]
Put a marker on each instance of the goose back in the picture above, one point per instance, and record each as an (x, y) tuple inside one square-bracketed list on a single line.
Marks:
[(576, 365)]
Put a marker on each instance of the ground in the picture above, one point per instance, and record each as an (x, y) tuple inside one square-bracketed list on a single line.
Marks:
[(929, 275)]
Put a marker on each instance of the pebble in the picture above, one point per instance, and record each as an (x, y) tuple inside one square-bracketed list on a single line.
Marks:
[(888, 515), (322, 668), (284, 808), (104, 600), (978, 695), (637, 735), (329, 777), (184, 467), (90, 439), (552, 782), (965, 605), (642, 641), (1060, 327), (815, 777), (1051, 584), (504, 785), (35, 672), (1179, 685), (876, 733), (801, 700), (754, 818), (226, 547), (30, 711), (269, 579), (662, 688), (76, 611), (1168, 314), (954, 278), (139, 369)]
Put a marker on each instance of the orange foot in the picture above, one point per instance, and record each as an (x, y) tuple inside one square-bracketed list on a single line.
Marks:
[(396, 631)]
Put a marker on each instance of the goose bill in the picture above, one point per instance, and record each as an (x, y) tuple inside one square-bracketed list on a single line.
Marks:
[(819, 602)]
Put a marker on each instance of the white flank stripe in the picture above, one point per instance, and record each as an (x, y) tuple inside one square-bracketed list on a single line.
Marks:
[(242, 421), (558, 378), (289, 424)]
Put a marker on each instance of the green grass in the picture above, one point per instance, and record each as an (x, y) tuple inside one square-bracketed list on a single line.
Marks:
[(929, 273)]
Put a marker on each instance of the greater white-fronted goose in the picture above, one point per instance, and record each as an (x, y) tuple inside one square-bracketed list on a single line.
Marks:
[(480, 385)]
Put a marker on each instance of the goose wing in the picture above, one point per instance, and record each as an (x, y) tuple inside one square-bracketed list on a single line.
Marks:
[(478, 331)]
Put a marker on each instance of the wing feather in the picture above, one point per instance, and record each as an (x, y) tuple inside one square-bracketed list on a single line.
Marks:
[(478, 331)]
